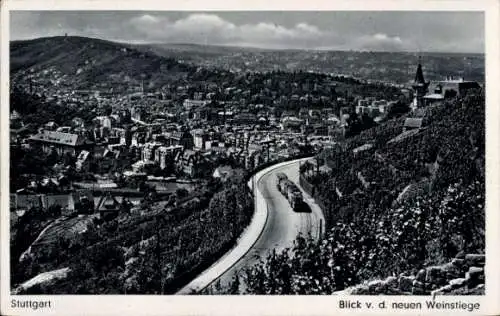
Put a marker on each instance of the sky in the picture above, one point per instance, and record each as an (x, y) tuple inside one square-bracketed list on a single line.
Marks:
[(460, 32)]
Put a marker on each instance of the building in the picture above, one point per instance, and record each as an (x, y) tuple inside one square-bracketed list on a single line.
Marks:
[(105, 162), (45, 201), (452, 87), (184, 139), (138, 138), (103, 121), (61, 142), (201, 113), (412, 123), (291, 123), (420, 88), (137, 113), (108, 207), (83, 161), (199, 138), (433, 99), (164, 154), (51, 126), (16, 121), (149, 150), (192, 163), (189, 104), (245, 119)]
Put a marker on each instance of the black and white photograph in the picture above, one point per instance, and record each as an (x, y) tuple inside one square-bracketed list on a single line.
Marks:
[(240, 152)]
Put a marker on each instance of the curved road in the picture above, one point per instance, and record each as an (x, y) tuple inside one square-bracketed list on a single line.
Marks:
[(282, 224)]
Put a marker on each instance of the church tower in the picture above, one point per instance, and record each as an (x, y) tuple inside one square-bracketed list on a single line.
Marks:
[(420, 88)]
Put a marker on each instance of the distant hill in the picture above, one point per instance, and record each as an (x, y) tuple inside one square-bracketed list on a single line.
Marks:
[(198, 48), (196, 54), (83, 63), (386, 66), (225, 49), (88, 62)]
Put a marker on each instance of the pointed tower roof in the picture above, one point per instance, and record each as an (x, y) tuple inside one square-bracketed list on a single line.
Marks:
[(419, 76), (420, 83)]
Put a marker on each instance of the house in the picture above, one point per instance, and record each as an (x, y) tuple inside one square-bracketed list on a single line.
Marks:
[(16, 120), (184, 139), (103, 121), (164, 155), (83, 199), (137, 113), (412, 123), (452, 87), (188, 104), (138, 138), (223, 116), (245, 119), (27, 201), (199, 138), (83, 161), (201, 113), (432, 99), (291, 123), (64, 129), (45, 201), (108, 207), (65, 201), (77, 122), (105, 162), (51, 126), (145, 166), (192, 163), (148, 151), (61, 142), (217, 150)]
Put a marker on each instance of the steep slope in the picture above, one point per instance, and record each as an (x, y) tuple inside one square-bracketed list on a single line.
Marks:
[(89, 63), (372, 233)]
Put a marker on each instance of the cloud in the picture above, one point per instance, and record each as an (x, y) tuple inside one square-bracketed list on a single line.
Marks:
[(381, 42), (145, 19), (384, 38), (212, 29), (376, 31)]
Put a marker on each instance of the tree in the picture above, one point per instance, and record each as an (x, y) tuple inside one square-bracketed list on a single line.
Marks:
[(235, 285), (52, 157), (181, 193), (450, 93), (69, 160), (54, 210), (84, 206), (366, 121), (398, 109), (125, 206)]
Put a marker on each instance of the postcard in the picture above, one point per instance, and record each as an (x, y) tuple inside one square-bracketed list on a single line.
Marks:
[(211, 158)]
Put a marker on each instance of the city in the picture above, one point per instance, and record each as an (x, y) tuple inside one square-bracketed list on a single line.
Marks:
[(191, 169)]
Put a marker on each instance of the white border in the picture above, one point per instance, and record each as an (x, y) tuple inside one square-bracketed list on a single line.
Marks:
[(261, 305)]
